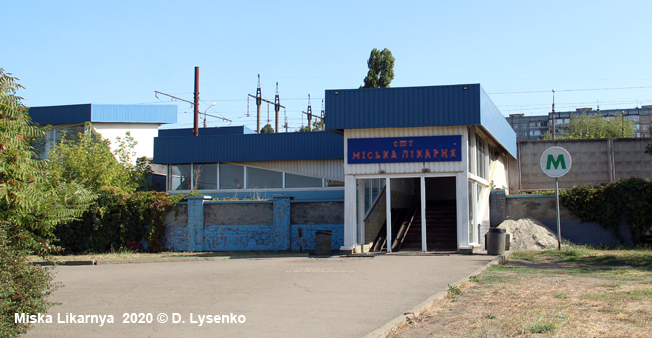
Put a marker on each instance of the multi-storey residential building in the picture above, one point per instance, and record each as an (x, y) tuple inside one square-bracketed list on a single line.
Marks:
[(536, 126)]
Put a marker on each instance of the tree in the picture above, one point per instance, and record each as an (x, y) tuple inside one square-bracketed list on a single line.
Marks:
[(267, 129), (596, 126), (30, 207), (86, 158), (381, 69)]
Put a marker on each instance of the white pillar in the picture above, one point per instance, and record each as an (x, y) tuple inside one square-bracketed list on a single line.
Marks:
[(361, 211), (424, 242), (349, 214), (388, 195), (461, 180)]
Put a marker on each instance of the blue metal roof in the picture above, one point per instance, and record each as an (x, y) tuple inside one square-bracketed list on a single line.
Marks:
[(453, 105), (248, 147), (116, 113), (495, 123), (235, 130)]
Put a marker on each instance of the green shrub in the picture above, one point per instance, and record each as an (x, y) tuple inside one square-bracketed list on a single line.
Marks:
[(627, 200), (119, 221)]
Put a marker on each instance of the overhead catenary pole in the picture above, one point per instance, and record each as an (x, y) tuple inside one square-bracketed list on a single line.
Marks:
[(259, 97), (277, 106), (196, 111), (259, 101)]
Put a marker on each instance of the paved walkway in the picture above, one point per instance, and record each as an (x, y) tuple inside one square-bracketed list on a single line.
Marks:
[(279, 297)]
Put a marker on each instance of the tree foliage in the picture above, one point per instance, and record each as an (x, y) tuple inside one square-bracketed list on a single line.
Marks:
[(31, 206), (318, 125), (86, 158), (267, 129), (596, 126), (381, 69)]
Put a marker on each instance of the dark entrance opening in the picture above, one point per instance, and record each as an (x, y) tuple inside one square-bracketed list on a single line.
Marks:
[(441, 214)]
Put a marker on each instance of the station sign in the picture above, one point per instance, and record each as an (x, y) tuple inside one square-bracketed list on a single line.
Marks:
[(555, 162), (405, 149)]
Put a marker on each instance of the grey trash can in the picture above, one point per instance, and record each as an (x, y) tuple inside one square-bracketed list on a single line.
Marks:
[(323, 242), (496, 241)]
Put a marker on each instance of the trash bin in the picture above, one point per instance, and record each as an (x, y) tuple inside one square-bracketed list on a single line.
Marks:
[(323, 242), (496, 241)]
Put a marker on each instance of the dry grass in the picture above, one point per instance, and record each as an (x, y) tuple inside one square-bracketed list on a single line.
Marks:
[(542, 300)]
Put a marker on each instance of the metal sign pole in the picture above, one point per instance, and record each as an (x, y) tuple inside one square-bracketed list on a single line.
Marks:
[(558, 219)]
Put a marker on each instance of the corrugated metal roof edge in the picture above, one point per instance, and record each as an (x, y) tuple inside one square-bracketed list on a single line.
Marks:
[(184, 149), (493, 121)]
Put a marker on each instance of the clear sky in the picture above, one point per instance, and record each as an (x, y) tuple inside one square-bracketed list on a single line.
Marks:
[(68, 52)]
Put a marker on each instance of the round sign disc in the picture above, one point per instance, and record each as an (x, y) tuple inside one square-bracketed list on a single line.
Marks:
[(555, 161)]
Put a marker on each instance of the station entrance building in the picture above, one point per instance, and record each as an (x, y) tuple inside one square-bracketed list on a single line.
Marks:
[(424, 158)]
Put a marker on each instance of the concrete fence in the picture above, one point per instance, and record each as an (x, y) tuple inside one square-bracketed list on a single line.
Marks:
[(205, 225), (543, 208), (594, 162)]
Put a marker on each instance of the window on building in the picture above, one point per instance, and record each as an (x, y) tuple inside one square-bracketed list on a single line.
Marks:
[(298, 181), (645, 127), (480, 156), (205, 176), (263, 179), (643, 119), (631, 117), (637, 126), (535, 132), (179, 177), (231, 176)]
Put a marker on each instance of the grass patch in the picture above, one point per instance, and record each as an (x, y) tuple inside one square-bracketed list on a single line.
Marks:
[(637, 294)]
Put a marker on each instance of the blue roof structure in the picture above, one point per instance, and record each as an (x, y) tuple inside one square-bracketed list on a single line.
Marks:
[(453, 105), (230, 130), (170, 148), (116, 113)]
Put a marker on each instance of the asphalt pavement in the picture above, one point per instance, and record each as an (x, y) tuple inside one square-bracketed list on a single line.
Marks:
[(254, 297)]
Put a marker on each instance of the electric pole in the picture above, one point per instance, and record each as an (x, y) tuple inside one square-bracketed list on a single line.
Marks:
[(310, 114), (259, 101), (195, 130), (277, 106)]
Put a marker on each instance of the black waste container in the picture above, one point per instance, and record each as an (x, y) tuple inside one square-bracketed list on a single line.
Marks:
[(496, 241), (323, 242)]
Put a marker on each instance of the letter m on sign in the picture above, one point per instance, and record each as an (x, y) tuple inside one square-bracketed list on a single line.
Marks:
[(559, 161)]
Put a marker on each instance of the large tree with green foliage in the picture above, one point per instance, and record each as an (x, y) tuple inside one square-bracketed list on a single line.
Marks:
[(381, 69), (31, 206), (594, 126)]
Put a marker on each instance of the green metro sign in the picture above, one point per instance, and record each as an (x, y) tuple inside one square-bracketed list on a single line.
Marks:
[(555, 162)]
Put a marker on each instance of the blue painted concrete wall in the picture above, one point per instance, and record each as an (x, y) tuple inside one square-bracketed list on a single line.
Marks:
[(281, 235)]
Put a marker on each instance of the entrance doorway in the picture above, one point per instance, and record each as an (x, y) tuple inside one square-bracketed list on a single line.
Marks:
[(411, 207)]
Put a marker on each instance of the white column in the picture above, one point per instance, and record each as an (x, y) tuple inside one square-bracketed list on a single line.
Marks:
[(361, 211), (424, 242), (388, 196), (349, 213), (461, 180)]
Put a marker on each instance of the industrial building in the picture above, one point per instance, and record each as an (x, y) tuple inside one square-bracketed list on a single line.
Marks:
[(424, 158)]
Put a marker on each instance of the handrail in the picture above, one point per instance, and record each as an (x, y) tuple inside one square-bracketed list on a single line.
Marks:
[(373, 207)]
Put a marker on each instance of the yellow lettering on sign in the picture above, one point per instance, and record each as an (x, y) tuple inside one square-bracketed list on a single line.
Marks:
[(453, 153), (356, 155), (405, 154), (385, 154), (427, 154), (444, 153), (419, 154), (394, 154)]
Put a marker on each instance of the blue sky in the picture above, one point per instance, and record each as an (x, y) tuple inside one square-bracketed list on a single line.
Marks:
[(67, 52)]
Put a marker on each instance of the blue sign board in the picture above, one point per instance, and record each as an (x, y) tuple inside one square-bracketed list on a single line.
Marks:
[(405, 149)]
